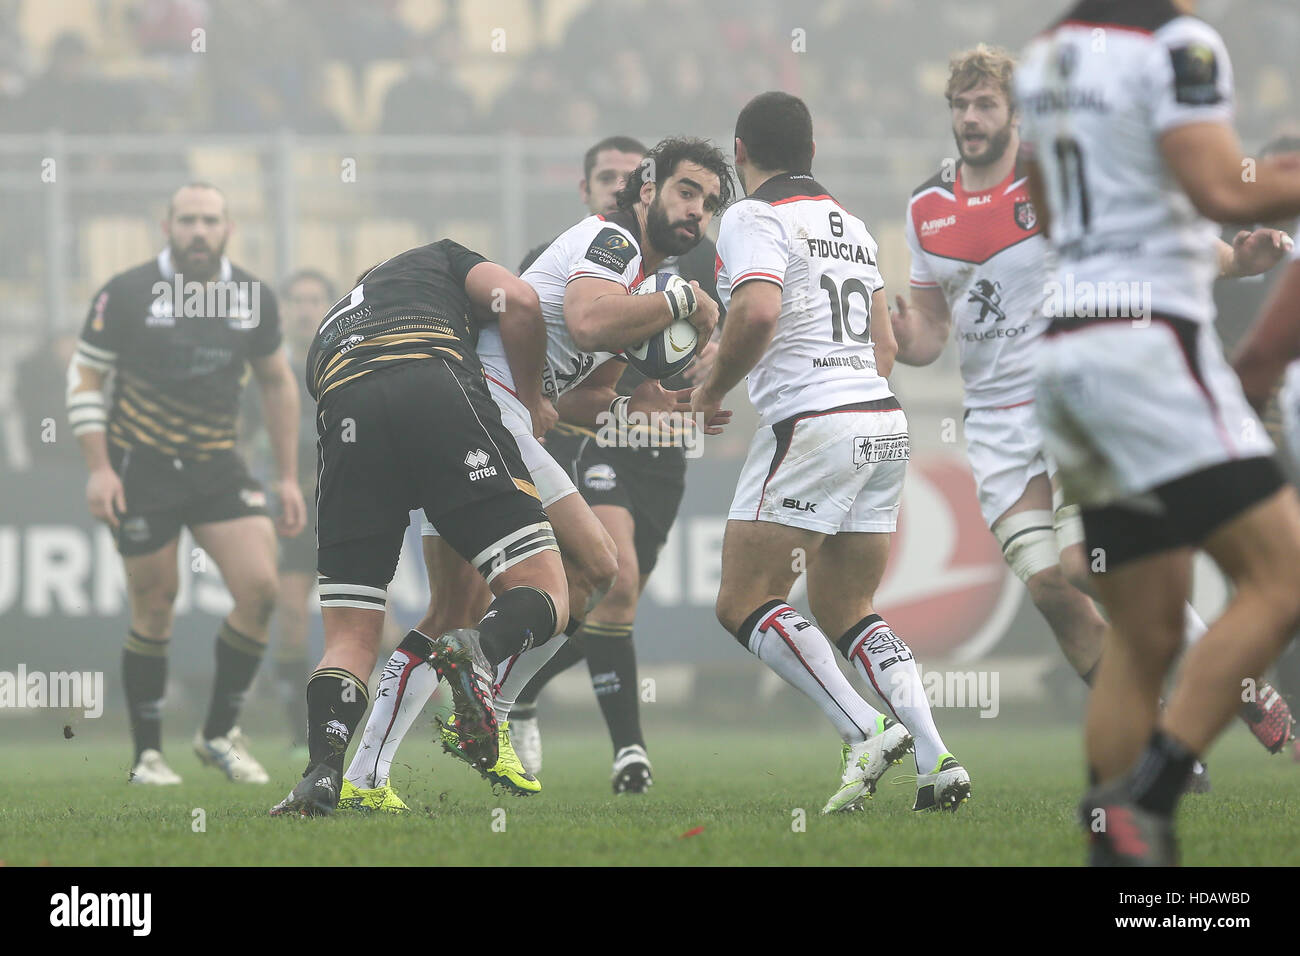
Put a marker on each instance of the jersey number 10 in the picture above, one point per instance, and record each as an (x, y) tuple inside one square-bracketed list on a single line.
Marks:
[(840, 308)]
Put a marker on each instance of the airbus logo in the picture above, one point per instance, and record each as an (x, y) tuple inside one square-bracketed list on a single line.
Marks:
[(931, 226)]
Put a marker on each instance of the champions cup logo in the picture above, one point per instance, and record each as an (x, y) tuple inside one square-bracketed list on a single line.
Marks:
[(947, 588)]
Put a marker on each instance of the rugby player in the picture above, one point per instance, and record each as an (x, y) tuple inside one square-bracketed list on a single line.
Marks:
[(177, 334), (584, 281), (404, 420), (808, 323), (635, 492), (1130, 151), (979, 267)]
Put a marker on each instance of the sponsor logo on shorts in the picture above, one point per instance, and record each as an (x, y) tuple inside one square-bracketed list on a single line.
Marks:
[(869, 450), (136, 529), (795, 504), (252, 497), (600, 478), (477, 462), (351, 342)]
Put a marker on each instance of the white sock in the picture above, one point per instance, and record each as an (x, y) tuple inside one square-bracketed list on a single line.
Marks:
[(514, 673), (404, 687), (796, 649), (886, 662), (1194, 626)]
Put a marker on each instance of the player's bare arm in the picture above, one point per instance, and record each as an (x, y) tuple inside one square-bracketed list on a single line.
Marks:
[(1272, 342), (104, 494), (603, 317), (751, 322), (1252, 252), (920, 328), (583, 405), (497, 294), (1208, 162), (884, 343), (279, 388)]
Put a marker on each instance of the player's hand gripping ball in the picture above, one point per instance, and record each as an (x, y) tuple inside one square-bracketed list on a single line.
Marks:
[(671, 350)]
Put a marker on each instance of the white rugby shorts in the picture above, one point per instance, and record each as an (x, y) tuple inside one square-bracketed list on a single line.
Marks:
[(1005, 449), (1125, 409), (832, 471)]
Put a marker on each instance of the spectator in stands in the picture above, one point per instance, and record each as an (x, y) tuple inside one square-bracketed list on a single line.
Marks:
[(73, 95), (430, 101)]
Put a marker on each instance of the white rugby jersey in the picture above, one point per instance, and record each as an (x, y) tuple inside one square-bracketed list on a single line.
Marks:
[(1096, 92), (790, 232), (599, 247), (985, 253)]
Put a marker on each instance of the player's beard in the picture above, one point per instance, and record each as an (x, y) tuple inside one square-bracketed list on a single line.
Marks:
[(663, 235), (997, 148), (197, 271)]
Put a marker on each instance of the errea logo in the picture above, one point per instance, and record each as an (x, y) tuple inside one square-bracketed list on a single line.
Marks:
[(477, 462)]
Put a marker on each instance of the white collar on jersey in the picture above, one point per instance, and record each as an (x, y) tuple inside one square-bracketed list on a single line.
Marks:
[(169, 271)]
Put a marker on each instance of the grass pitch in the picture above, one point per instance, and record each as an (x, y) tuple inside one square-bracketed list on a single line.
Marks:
[(721, 797)]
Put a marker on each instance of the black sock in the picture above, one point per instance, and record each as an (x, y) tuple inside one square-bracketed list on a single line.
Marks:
[(417, 644), (336, 702), (1160, 776), (291, 680), (237, 658), (611, 660), (521, 618), (144, 676), (568, 655)]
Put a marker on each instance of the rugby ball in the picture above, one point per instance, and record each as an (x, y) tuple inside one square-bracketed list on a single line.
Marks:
[(669, 351)]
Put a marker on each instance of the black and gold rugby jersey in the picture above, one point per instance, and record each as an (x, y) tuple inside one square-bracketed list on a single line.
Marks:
[(410, 307), (179, 351)]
